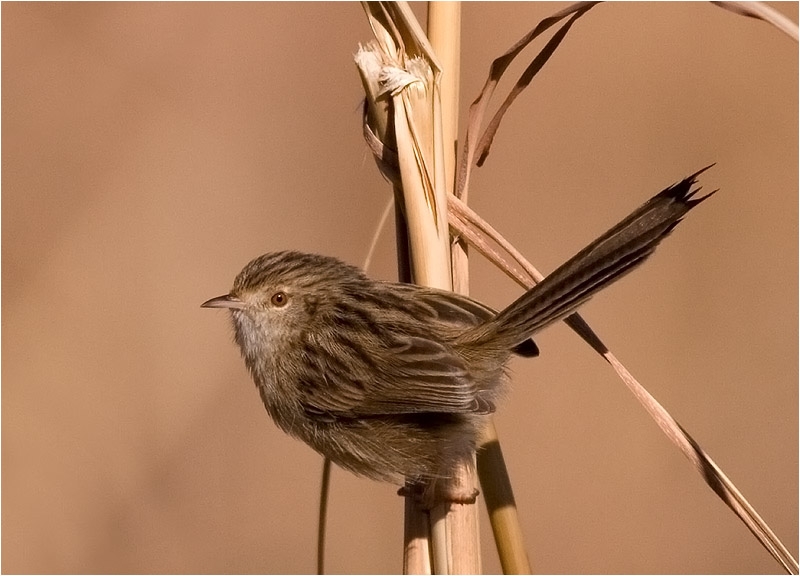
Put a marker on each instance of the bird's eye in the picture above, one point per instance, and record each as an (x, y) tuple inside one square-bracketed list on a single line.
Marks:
[(279, 299)]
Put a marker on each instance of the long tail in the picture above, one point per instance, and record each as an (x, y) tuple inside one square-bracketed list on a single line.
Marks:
[(602, 262)]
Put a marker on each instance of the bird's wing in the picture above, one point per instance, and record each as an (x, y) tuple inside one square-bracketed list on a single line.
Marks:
[(412, 375), (398, 365)]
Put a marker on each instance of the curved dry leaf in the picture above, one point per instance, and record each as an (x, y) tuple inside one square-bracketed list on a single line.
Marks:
[(477, 109), (482, 148), (762, 11)]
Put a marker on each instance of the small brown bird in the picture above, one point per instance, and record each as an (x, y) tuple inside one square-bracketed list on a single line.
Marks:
[(394, 381)]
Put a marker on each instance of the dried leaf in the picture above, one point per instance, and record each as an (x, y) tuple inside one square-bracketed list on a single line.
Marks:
[(762, 11), (482, 149), (478, 108)]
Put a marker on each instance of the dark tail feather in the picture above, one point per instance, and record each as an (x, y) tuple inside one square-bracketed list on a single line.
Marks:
[(602, 262)]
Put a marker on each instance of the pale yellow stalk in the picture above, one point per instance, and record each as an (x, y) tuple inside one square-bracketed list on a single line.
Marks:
[(408, 73), (454, 526)]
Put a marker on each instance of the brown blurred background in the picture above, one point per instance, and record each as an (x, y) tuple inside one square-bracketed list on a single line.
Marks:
[(151, 150)]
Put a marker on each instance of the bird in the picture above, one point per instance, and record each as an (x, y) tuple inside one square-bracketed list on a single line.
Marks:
[(395, 381)]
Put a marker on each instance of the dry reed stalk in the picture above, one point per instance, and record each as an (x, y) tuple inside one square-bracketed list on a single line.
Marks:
[(324, 493), (401, 65), (454, 526)]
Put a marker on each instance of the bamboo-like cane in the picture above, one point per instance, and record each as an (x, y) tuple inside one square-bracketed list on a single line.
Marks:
[(408, 73), (459, 521)]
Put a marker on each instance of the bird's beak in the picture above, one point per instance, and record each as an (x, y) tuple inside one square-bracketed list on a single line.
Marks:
[(226, 301)]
